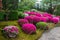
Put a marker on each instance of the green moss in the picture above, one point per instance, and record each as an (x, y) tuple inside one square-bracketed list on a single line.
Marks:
[(22, 35)]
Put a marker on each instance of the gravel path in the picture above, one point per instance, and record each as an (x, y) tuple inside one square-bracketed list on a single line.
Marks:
[(53, 34)]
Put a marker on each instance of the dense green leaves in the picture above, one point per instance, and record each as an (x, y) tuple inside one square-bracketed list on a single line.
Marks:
[(13, 15), (10, 4), (1, 15), (42, 25), (21, 15), (26, 5)]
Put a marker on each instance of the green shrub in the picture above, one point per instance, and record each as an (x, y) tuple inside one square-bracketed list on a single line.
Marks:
[(13, 15), (1, 15), (10, 5), (21, 15), (42, 25), (25, 5)]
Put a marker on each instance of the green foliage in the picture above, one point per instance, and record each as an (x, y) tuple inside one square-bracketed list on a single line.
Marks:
[(13, 15), (21, 15), (57, 10), (41, 25), (25, 5), (10, 5), (1, 15)]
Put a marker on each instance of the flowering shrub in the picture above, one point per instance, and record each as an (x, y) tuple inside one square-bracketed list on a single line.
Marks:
[(49, 19), (29, 18), (58, 17), (55, 20), (22, 21), (32, 13), (11, 31), (36, 19), (47, 14), (43, 19), (29, 28), (38, 14), (42, 25)]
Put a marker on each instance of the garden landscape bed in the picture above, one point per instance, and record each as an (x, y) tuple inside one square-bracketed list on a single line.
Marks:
[(22, 35)]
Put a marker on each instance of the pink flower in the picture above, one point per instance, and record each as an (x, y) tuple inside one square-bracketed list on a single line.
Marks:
[(32, 13), (29, 18), (36, 19), (14, 29), (55, 20), (38, 14), (49, 19), (47, 14), (11, 31), (43, 19), (22, 21), (29, 28), (58, 17)]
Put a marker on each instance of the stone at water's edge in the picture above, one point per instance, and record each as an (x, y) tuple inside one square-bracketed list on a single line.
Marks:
[(53, 34)]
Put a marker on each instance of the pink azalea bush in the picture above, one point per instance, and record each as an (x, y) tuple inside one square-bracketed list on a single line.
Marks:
[(36, 19), (30, 13), (38, 14), (33, 13), (11, 31), (29, 18), (58, 17), (43, 19), (49, 19), (22, 21), (45, 14), (29, 28), (55, 20)]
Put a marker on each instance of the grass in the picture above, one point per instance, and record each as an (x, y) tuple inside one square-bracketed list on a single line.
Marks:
[(22, 35)]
